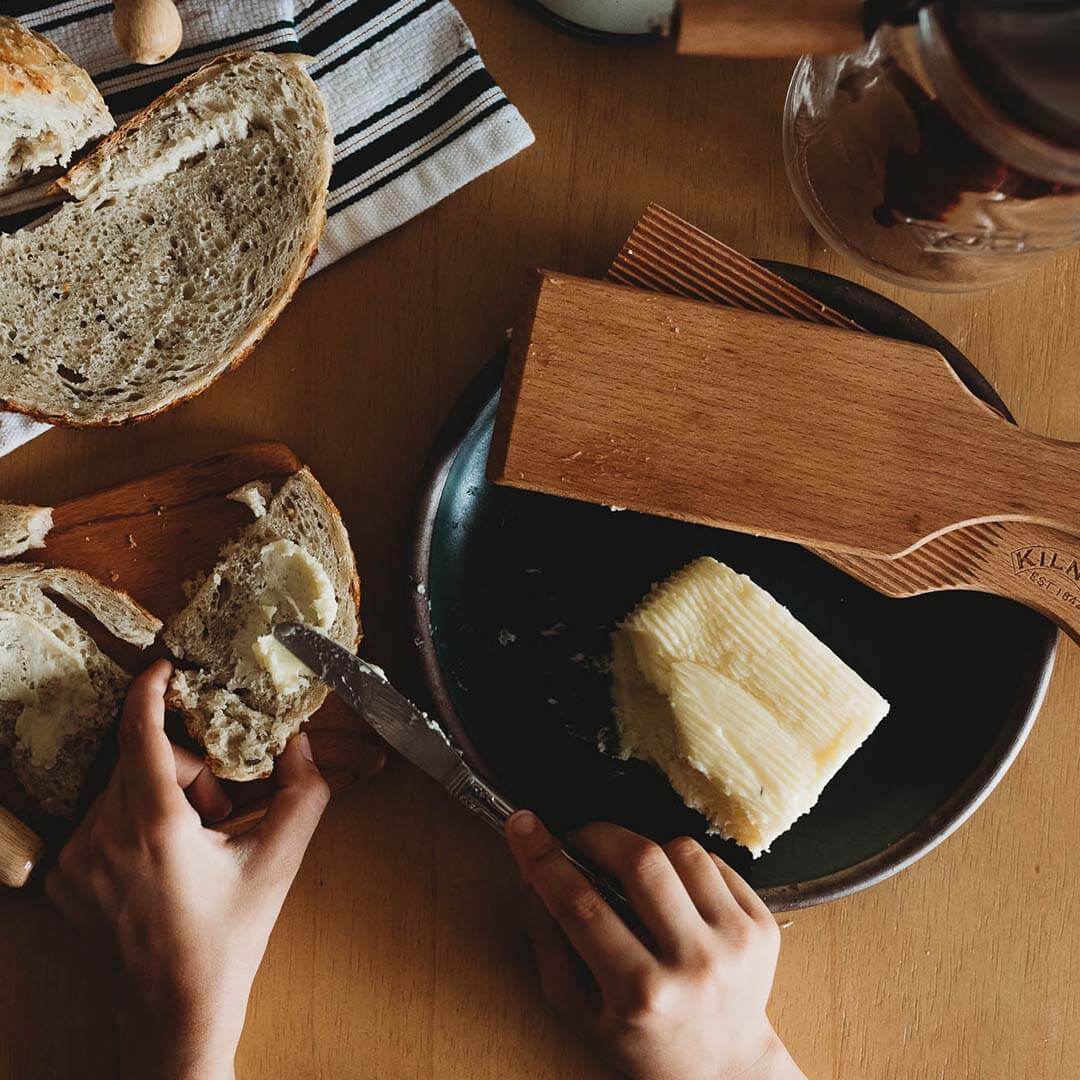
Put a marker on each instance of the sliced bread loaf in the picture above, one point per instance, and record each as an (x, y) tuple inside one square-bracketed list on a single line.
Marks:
[(59, 692), (242, 695), (49, 106), (22, 528), (193, 224)]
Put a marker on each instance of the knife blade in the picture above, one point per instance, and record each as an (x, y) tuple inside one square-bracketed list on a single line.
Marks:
[(366, 689)]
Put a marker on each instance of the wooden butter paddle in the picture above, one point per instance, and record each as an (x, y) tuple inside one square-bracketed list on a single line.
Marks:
[(814, 434), (1033, 564)]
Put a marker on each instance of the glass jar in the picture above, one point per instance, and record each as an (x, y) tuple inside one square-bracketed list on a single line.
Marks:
[(908, 157)]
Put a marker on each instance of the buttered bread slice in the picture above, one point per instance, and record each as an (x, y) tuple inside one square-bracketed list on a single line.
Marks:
[(60, 693), (242, 693), (746, 712)]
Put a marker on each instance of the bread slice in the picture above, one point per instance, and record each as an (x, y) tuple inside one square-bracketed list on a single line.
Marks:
[(49, 106), (192, 225), (22, 528), (59, 692), (231, 702)]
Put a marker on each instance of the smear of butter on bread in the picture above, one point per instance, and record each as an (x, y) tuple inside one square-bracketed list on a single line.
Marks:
[(48, 678), (294, 585)]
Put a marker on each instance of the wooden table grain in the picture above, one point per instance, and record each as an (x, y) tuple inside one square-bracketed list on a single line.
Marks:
[(399, 953)]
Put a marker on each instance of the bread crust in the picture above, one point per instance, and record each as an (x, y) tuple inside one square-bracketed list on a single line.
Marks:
[(60, 578), (33, 68), (303, 257)]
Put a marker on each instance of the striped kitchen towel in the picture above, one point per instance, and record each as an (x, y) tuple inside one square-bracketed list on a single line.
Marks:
[(415, 113)]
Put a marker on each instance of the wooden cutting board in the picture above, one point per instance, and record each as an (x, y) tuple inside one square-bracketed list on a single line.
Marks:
[(148, 537), (815, 434)]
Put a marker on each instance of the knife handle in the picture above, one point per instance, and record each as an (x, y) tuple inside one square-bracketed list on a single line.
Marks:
[(769, 28), (20, 850), (484, 801)]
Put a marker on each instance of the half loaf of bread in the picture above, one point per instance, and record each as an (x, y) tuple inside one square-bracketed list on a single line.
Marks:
[(59, 692), (49, 106), (192, 225), (242, 697)]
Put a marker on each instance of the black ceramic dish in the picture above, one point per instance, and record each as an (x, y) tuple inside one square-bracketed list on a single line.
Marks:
[(516, 594)]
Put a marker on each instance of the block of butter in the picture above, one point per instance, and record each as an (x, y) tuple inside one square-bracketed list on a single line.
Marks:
[(746, 712)]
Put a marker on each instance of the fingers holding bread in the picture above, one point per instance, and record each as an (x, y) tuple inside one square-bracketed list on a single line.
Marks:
[(147, 765), (282, 837)]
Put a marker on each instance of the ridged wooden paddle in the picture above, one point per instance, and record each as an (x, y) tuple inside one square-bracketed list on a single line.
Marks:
[(1032, 564), (814, 434)]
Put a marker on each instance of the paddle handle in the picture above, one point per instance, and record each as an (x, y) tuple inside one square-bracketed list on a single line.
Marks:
[(761, 29), (1019, 476), (1031, 564), (147, 31), (20, 850)]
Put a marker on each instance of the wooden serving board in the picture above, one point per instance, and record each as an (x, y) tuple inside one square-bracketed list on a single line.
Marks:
[(147, 537), (815, 434)]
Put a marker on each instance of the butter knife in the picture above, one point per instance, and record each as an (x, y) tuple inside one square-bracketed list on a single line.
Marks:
[(365, 689)]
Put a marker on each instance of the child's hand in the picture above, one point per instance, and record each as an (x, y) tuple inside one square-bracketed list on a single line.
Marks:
[(185, 912), (687, 1005)]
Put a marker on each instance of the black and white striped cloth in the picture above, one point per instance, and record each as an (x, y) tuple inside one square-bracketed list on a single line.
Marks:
[(416, 114)]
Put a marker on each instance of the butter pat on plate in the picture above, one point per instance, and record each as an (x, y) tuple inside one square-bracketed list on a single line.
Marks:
[(746, 712)]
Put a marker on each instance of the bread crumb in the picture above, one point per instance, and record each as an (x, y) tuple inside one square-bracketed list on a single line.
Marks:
[(506, 637), (113, 575), (131, 541), (602, 665), (254, 495)]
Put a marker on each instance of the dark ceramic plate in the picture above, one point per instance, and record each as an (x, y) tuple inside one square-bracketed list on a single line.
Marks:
[(516, 594)]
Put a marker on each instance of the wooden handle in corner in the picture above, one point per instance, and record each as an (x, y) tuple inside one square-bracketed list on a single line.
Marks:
[(148, 31), (20, 849), (769, 28)]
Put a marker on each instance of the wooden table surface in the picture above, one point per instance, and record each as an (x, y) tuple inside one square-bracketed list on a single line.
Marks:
[(399, 953)]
